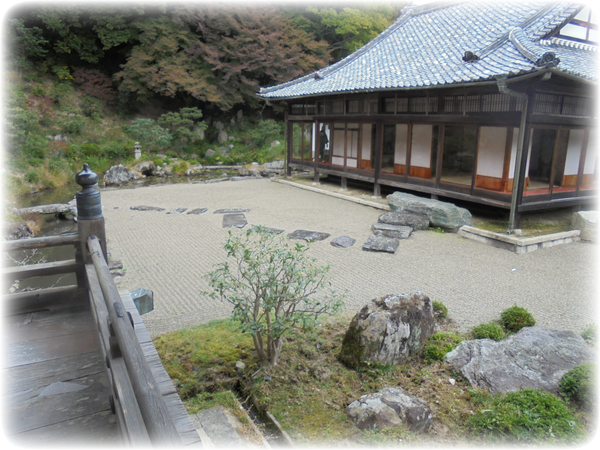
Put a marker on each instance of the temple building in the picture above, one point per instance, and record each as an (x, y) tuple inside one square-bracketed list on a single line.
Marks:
[(486, 102)]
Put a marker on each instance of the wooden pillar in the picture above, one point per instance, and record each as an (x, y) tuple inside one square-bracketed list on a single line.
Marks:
[(90, 220), (376, 155)]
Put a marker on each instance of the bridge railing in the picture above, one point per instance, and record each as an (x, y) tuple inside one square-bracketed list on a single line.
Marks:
[(142, 415)]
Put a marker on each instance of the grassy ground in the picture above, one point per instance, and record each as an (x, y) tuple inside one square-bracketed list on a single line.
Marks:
[(309, 389)]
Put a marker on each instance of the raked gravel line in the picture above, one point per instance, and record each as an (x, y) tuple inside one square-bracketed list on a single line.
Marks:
[(169, 253)]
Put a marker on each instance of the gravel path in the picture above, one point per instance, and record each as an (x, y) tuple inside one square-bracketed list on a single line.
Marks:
[(169, 253)]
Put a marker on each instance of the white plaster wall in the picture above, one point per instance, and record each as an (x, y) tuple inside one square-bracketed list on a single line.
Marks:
[(573, 152), (401, 144), (513, 153), (366, 142), (421, 146), (591, 153), (492, 143)]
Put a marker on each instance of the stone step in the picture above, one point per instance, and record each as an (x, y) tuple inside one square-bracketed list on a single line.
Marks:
[(215, 429)]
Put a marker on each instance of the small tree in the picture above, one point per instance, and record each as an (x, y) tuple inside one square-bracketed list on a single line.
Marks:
[(274, 286)]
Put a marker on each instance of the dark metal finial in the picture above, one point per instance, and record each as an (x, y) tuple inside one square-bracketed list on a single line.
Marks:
[(89, 204)]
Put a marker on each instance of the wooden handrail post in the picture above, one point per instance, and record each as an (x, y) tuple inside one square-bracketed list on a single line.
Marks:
[(90, 220)]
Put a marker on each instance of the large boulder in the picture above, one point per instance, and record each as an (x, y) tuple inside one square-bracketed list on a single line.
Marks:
[(145, 168), (117, 175), (441, 214), (388, 330), (532, 358), (390, 407), (587, 222)]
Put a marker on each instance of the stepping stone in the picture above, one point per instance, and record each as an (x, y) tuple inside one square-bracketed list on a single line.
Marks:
[(198, 211), (177, 211), (237, 220), (415, 221), (146, 208), (269, 230), (343, 242), (232, 210), (381, 244), (393, 231), (216, 428), (308, 235)]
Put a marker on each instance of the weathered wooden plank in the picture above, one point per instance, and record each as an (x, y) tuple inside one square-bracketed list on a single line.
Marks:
[(41, 242), (46, 324), (156, 416), (58, 402), (38, 270), (57, 347), (50, 299), (23, 379), (97, 429)]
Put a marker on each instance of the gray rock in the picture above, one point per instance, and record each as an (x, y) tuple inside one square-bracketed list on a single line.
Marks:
[(210, 152), (274, 165), (532, 358), (237, 220), (146, 168), (177, 211), (388, 330), (390, 407), (393, 231), (146, 208), (406, 219), (308, 235), (222, 136), (117, 175), (224, 151), (16, 230), (441, 214), (381, 244), (343, 242), (275, 143), (587, 222), (231, 210), (197, 211)]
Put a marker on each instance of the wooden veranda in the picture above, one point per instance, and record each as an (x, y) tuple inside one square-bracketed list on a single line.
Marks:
[(79, 366)]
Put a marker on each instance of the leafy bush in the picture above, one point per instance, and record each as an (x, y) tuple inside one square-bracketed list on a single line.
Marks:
[(181, 168), (515, 318), (490, 330), (92, 107), (275, 287), (439, 344), (578, 385), (589, 334), (527, 415), (388, 439), (440, 312)]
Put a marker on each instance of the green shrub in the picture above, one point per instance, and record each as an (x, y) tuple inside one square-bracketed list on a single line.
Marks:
[(526, 416), (589, 334), (440, 312), (181, 168), (490, 330), (388, 439), (32, 177), (578, 385), (515, 318), (439, 344)]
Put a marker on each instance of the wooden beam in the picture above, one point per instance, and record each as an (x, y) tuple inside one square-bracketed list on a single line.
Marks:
[(41, 242), (39, 270), (159, 424)]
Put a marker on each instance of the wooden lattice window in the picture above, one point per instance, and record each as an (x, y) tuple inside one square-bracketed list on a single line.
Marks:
[(585, 26)]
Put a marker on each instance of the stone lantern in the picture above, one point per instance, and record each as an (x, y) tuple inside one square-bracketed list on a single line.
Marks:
[(137, 151)]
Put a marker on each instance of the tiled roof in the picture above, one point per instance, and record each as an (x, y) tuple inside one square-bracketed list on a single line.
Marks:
[(426, 47)]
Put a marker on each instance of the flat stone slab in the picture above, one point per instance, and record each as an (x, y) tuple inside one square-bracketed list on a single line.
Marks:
[(415, 221), (177, 211), (236, 220), (146, 208), (381, 244), (198, 211), (55, 208), (343, 242), (308, 235), (393, 231), (232, 210), (269, 230), (216, 426)]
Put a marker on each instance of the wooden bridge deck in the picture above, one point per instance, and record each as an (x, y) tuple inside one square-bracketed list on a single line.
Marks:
[(56, 389)]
